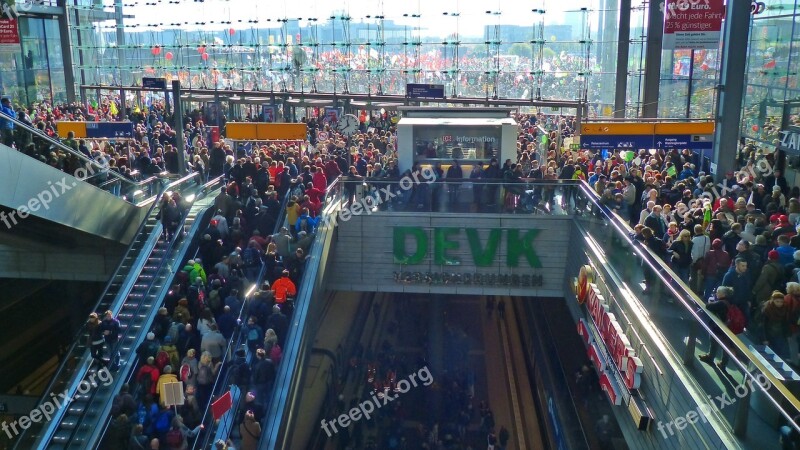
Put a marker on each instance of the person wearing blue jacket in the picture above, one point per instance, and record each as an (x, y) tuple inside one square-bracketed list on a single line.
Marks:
[(740, 279), (785, 250), (6, 125), (305, 222)]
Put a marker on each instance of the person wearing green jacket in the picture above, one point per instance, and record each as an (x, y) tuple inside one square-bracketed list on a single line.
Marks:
[(194, 268)]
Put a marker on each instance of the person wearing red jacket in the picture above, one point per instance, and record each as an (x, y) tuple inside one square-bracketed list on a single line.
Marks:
[(283, 288), (332, 170), (319, 179), (149, 374)]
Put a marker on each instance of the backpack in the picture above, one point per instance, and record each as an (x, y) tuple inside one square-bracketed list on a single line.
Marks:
[(252, 334), (174, 330), (240, 374), (736, 320), (174, 438), (162, 360), (204, 374), (146, 382), (780, 281), (185, 372), (304, 224), (275, 354), (163, 422), (214, 302), (250, 257), (201, 298)]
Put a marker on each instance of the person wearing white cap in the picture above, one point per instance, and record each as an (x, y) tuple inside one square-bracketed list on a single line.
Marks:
[(777, 197), (148, 348)]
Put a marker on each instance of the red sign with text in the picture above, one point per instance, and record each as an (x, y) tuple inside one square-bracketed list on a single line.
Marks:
[(9, 33), (613, 340), (692, 24)]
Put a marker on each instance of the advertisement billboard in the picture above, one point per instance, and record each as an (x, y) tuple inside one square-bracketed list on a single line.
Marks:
[(9, 33), (692, 24)]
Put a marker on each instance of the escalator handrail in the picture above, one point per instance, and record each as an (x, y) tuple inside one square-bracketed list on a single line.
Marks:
[(223, 374), (79, 155), (77, 338), (238, 337), (126, 286), (147, 293), (287, 377), (208, 187), (692, 303)]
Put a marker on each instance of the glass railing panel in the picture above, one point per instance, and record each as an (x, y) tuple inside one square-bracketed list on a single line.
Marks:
[(678, 311), (418, 194)]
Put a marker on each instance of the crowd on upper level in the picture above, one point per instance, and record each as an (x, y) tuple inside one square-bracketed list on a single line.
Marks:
[(734, 242)]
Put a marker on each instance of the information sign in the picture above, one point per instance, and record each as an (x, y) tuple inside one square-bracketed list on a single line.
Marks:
[(154, 83), (435, 91), (109, 130), (681, 141)]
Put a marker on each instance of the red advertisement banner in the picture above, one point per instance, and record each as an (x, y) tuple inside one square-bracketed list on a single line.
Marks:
[(692, 24), (9, 33)]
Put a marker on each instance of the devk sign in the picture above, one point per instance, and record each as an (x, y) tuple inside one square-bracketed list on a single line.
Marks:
[(692, 24)]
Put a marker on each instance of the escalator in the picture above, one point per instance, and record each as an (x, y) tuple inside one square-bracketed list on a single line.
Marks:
[(137, 285), (30, 186)]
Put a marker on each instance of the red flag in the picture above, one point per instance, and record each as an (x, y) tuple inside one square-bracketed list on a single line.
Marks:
[(221, 405)]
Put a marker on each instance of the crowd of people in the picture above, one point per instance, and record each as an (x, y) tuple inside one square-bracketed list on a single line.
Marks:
[(734, 242), (204, 313)]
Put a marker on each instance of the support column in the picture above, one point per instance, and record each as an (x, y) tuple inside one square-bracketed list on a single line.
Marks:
[(66, 52), (122, 105), (180, 142), (121, 43), (623, 53), (652, 61), (731, 87)]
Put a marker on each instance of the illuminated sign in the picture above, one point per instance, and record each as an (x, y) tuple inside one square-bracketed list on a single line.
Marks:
[(519, 244), (790, 141), (450, 139)]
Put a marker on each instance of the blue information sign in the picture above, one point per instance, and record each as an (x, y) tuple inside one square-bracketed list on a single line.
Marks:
[(618, 141), (109, 130), (425, 91), (681, 141), (154, 83)]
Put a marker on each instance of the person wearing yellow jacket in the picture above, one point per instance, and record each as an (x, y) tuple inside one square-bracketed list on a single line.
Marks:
[(166, 377)]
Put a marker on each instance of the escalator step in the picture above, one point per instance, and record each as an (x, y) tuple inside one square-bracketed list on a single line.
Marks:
[(75, 410), (61, 437)]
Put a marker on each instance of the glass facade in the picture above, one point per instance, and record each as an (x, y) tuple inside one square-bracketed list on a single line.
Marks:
[(543, 50), (499, 49), (34, 70), (772, 72)]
